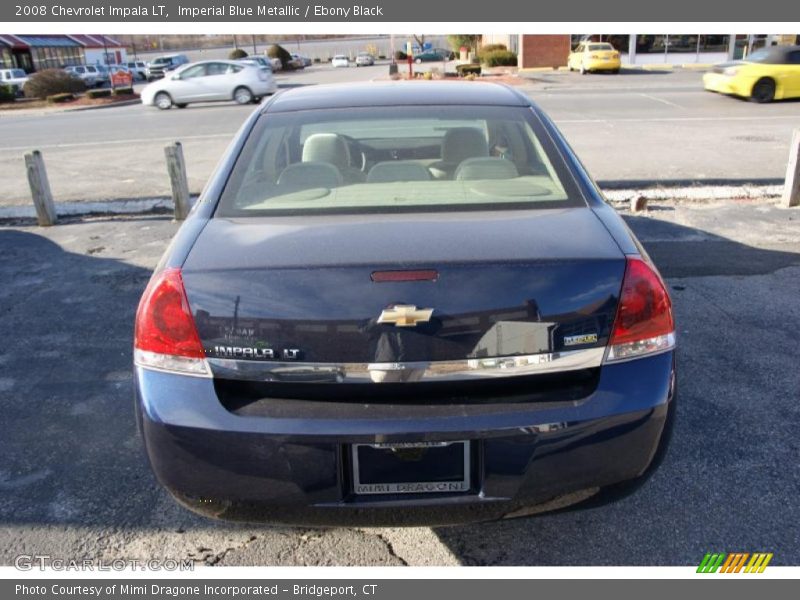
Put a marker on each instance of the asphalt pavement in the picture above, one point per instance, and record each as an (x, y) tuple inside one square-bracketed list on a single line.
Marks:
[(74, 482), (633, 128)]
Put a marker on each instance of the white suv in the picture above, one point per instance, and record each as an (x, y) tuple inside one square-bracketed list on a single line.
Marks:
[(13, 78), (138, 68)]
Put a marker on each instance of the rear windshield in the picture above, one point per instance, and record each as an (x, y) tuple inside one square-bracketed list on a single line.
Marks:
[(397, 159), (598, 47)]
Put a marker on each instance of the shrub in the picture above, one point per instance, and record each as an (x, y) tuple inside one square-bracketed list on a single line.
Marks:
[(278, 51), (492, 47), (317, 60), (400, 55), (236, 54), (98, 93), (52, 81), (381, 57), (60, 98), (499, 58), (7, 94), (123, 91), (464, 70)]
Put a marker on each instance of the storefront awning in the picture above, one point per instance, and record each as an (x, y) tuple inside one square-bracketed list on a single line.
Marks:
[(46, 41)]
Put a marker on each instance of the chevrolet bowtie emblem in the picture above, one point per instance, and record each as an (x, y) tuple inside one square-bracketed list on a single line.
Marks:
[(405, 315)]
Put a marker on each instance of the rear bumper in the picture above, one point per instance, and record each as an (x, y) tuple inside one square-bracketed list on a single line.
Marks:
[(294, 470), (603, 65)]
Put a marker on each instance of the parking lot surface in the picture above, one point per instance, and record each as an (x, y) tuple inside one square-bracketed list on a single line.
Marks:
[(629, 128), (74, 482)]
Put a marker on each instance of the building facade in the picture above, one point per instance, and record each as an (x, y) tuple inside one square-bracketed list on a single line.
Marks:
[(38, 52), (536, 50)]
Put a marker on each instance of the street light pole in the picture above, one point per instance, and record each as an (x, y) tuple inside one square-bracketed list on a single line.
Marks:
[(105, 60)]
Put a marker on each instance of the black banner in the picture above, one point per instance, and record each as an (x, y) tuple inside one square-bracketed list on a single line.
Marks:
[(384, 589), (382, 11)]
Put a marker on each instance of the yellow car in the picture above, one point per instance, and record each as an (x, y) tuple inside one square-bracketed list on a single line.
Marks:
[(767, 74), (594, 56)]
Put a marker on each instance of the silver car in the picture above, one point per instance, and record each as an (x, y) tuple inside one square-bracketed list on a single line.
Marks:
[(210, 81), (365, 59), (87, 73)]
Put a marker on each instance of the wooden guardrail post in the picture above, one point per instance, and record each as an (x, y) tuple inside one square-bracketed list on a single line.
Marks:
[(176, 167), (791, 187), (40, 189)]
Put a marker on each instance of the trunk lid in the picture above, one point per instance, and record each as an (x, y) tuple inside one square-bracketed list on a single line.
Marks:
[(508, 283)]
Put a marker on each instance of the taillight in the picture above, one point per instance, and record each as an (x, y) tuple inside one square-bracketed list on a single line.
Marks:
[(166, 337), (644, 323)]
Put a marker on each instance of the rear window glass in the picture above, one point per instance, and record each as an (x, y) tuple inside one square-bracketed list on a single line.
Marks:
[(397, 159), (598, 47)]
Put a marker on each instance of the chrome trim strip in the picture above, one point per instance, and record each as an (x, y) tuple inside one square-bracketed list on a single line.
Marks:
[(450, 370)]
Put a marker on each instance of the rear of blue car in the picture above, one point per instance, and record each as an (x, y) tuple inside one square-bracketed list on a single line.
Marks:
[(432, 323)]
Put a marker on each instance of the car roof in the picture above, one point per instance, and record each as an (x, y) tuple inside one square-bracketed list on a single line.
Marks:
[(396, 93)]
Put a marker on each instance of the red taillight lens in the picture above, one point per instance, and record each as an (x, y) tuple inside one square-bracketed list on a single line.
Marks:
[(644, 323), (164, 323)]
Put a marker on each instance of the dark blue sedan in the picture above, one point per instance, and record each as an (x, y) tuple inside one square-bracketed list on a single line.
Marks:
[(402, 304)]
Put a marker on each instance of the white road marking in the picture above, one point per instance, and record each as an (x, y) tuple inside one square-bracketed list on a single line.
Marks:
[(682, 119), (657, 99), (119, 142)]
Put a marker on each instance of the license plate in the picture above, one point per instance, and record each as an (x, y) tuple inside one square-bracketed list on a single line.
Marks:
[(412, 468)]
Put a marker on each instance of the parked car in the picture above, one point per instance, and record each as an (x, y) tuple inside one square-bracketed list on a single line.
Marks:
[(436, 55), (85, 73), (365, 59), (340, 60), (103, 75), (159, 66), (261, 61), (588, 57), (320, 346), (138, 69), (210, 81), (13, 78), (302, 61), (767, 74)]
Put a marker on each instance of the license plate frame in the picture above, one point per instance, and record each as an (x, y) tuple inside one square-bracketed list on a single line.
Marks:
[(455, 485)]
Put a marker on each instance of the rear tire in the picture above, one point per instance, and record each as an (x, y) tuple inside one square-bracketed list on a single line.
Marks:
[(163, 101), (763, 91), (242, 95)]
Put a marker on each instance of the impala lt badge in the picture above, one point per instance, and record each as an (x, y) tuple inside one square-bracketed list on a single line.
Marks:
[(405, 315)]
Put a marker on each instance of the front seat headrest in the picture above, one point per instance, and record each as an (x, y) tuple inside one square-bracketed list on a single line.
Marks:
[(328, 148)]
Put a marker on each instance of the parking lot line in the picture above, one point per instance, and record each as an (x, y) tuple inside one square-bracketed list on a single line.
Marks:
[(661, 100), (117, 142)]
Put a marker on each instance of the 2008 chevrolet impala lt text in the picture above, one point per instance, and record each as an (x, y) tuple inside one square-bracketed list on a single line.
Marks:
[(402, 303)]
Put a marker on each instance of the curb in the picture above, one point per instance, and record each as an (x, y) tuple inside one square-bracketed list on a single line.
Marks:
[(697, 193), (108, 207), (101, 106), (36, 112)]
